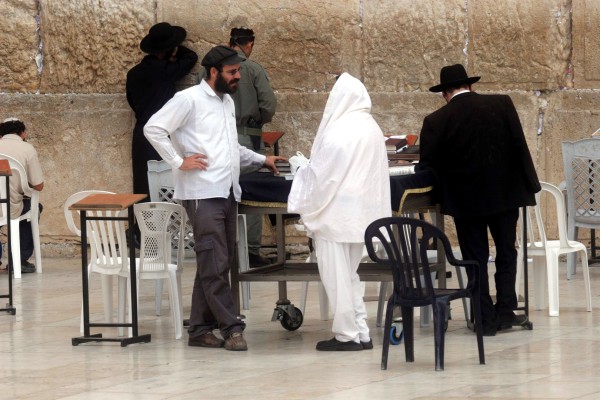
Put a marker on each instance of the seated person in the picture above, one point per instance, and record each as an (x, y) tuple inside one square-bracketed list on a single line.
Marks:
[(13, 144)]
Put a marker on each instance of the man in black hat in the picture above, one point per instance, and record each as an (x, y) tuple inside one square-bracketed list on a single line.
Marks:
[(150, 84), (476, 149), (195, 133), (254, 106)]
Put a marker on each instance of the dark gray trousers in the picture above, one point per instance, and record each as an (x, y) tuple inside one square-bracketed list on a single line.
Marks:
[(214, 223)]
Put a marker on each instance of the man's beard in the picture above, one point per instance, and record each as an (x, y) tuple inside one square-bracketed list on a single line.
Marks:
[(222, 86)]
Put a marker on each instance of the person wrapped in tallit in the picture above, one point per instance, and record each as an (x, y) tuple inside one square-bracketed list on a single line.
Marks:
[(343, 188)]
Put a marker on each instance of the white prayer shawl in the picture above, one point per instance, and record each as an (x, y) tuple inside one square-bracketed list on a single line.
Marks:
[(346, 185)]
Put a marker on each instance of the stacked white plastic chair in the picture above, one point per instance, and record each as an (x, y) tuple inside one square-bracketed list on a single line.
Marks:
[(160, 225), (581, 162)]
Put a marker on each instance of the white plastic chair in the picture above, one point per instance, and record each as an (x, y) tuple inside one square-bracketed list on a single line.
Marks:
[(545, 253), (72, 224), (581, 162), (32, 215), (161, 224), (72, 219)]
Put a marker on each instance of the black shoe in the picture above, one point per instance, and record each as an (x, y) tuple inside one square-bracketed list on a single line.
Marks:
[(186, 323), (519, 320), (27, 267), (367, 345), (335, 345), (489, 331), (257, 261)]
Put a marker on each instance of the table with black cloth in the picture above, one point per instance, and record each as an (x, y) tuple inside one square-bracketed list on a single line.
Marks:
[(263, 193), (263, 187)]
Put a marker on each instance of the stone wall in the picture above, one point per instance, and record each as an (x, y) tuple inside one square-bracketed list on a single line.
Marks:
[(64, 64)]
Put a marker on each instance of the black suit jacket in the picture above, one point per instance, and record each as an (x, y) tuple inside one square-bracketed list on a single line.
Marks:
[(476, 149)]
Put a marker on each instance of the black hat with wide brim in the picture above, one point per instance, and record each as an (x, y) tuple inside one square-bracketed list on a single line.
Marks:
[(162, 37), (452, 76)]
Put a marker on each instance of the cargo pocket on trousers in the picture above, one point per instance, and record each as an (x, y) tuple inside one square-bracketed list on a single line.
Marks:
[(205, 257)]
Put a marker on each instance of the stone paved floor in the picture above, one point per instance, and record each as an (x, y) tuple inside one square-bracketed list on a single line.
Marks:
[(558, 359)]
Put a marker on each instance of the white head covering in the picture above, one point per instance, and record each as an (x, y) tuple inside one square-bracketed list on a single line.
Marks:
[(346, 185), (10, 119)]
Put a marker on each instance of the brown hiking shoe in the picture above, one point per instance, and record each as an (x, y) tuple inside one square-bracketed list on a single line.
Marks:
[(236, 342), (206, 340)]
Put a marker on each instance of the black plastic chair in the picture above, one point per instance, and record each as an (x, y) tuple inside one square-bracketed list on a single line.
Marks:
[(405, 241)]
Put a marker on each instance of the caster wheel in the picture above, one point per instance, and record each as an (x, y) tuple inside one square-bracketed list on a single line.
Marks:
[(396, 334), (529, 326), (291, 323)]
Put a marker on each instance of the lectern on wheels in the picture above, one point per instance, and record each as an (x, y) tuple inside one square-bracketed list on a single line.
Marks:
[(6, 172)]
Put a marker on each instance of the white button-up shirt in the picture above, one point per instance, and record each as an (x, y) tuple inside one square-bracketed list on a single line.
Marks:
[(199, 121)]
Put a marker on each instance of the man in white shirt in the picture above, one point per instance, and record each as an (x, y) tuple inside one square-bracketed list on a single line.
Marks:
[(195, 132), (12, 143)]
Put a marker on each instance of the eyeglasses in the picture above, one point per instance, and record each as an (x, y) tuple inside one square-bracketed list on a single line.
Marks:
[(233, 72)]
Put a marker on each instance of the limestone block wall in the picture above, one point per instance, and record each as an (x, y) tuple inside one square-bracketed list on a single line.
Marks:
[(64, 64)]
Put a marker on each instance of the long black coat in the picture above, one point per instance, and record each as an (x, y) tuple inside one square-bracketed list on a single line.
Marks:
[(150, 84), (476, 149)]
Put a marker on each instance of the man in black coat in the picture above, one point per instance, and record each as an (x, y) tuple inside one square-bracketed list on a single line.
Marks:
[(476, 149), (150, 84)]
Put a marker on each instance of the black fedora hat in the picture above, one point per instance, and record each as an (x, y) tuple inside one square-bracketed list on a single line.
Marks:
[(453, 75), (162, 37)]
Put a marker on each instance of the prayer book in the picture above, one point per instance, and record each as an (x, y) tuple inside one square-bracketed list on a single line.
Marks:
[(395, 144)]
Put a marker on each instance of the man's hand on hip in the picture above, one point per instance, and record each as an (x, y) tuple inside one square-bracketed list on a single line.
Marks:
[(195, 161)]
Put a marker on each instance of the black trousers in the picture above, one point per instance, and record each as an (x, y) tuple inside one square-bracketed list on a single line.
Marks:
[(214, 222), (141, 152), (25, 232), (472, 235)]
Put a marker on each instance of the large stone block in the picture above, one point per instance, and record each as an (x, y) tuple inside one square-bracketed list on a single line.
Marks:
[(89, 45), (586, 44), (403, 112), (517, 44), (407, 42), (19, 38), (298, 116), (83, 142), (569, 115), (302, 45), (530, 107)]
